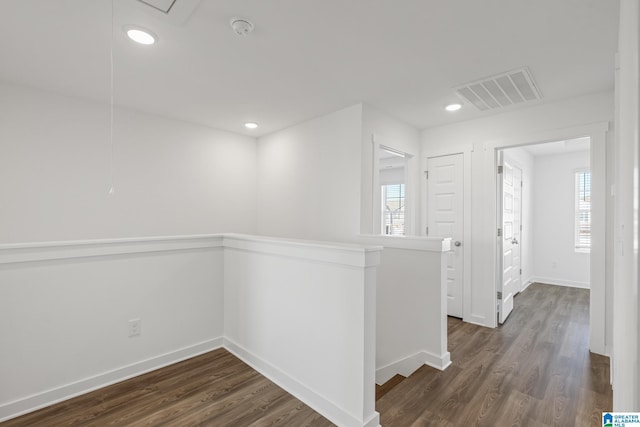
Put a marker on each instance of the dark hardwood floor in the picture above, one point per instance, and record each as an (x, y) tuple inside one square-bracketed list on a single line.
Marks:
[(535, 370), (215, 389)]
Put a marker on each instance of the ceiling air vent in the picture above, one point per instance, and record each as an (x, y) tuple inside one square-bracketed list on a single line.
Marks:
[(502, 90)]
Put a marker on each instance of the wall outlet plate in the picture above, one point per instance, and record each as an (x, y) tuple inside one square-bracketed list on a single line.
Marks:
[(135, 327)]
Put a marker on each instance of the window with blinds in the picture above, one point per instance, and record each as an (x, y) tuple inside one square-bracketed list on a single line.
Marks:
[(583, 211), (393, 210)]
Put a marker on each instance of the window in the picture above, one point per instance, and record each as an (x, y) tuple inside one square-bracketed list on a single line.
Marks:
[(393, 210), (583, 211)]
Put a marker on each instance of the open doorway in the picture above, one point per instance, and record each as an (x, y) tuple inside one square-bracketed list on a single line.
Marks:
[(544, 218)]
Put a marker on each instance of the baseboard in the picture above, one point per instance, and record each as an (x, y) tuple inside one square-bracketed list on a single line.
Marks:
[(527, 283), (478, 320), (561, 282), (410, 364), (49, 397), (317, 402)]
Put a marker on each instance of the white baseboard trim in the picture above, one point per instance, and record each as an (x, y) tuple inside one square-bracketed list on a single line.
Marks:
[(527, 283), (410, 364), (478, 320), (49, 397), (325, 407), (561, 282)]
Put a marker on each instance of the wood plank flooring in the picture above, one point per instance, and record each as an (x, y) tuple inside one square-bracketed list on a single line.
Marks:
[(385, 388), (214, 389), (535, 370)]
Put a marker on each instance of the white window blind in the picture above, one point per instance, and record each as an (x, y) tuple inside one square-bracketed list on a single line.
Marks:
[(583, 211), (393, 210)]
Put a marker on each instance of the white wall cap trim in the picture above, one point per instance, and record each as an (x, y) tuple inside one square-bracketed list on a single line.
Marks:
[(334, 253), (430, 244), (338, 253), (46, 251)]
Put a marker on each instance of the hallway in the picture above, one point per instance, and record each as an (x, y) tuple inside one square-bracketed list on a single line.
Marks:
[(535, 370)]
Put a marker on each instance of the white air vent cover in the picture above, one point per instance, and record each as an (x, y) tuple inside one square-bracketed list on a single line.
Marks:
[(502, 90)]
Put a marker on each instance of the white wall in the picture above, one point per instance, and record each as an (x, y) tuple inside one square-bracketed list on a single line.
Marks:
[(525, 161), (65, 308), (478, 139), (392, 176), (626, 322), (309, 178), (304, 315), (379, 128), (555, 258), (171, 177), (411, 305), (301, 313)]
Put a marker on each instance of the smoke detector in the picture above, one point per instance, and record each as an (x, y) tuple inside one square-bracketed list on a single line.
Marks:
[(241, 27)]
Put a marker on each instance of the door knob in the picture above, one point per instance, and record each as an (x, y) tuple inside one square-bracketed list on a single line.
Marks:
[(514, 241), (458, 243)]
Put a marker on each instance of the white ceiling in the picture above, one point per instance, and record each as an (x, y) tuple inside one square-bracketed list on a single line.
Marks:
[(307, 58)]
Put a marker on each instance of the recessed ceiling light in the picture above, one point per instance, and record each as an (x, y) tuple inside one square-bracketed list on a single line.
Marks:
[(251, 125), (140, 35), (453, 107)]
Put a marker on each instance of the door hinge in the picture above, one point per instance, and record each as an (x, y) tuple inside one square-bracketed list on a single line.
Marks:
[(521, 272), (426, 231), (500, 169), (426, 174), (499, 232), (499, 295)]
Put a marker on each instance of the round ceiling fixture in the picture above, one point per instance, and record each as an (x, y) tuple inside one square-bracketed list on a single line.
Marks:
[(140, 35), (241, 26), (251, 125), (453, 107)]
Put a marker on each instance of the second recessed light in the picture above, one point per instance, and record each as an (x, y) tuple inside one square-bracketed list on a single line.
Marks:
[(140, 35), (453, 107), (251, 125)]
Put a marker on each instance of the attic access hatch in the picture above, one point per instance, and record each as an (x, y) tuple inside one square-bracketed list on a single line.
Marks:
[(175, 11), (501, 90), (162, 5)]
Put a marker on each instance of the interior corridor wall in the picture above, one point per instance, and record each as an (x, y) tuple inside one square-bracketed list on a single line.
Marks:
[(171, 177), (309, 178), (555, 259), (478, 139)]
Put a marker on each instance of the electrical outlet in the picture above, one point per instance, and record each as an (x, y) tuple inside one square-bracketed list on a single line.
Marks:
[(135, 327)]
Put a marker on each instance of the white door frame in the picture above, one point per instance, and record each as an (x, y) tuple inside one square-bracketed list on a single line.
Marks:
[(466, 152), (483, 245), (598, 317)]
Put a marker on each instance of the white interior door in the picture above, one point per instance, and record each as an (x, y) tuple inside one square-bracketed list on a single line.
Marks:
[(507, 244), (517, 230), (445, 205)]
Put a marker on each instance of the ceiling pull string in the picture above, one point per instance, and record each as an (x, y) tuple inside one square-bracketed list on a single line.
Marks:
[(111, 100)]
